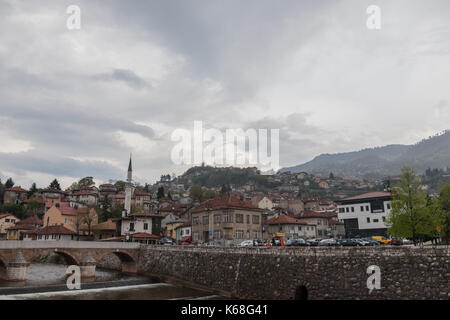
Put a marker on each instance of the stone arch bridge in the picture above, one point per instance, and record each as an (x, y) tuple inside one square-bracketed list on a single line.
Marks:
[(16, 256)]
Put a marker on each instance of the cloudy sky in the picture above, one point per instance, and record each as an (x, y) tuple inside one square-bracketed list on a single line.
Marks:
[(76, 103)]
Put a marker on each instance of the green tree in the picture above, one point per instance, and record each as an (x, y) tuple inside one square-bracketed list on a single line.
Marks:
[(444, 214), (15, 209), (209, 194), (160, 193), (55, 185), (33, 190), (120, 185), (86, 182), (9, 183), (409, 216), (331, 175), (196, 193)]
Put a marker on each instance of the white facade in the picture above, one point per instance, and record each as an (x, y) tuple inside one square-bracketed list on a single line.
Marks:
[(265, 203), (363, 212), (137, 225)]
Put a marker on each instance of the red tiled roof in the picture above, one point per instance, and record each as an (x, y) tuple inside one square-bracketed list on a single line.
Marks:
[(59, 229), (67, 210), (121, 238), (226, 201), (17, 189), (284, 219), (368, 195), (21, 227), (141, 193), (144, 235), (147, 215), (315, 214), (335, 222), (3, 215), (31, 220)]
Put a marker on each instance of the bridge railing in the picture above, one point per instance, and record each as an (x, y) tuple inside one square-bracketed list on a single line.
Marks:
[(11, 244)]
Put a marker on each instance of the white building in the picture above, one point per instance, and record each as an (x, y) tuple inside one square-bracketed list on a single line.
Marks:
[(365, 214)]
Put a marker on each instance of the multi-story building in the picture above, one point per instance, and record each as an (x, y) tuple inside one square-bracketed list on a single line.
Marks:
[(290, 227), (141, 222), (226, 220), (365, 214), (6, 221), (321, 220), (15, 195)]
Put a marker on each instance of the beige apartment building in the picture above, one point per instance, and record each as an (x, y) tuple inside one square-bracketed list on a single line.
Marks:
[(226, 220)]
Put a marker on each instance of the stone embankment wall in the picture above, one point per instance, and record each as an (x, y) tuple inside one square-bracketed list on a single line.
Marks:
[(319, 273)]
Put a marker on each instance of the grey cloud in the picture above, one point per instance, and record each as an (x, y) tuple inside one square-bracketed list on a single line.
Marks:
[(126, 76)]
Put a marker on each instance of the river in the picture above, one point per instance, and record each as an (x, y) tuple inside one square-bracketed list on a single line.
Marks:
[(45, 282)]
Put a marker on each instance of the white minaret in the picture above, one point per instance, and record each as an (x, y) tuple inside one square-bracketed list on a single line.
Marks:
[(128, 190)]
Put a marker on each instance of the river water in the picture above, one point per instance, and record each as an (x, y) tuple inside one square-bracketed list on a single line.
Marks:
[(107, 285)]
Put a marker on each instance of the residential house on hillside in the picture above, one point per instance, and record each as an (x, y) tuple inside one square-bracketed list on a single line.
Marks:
[(6, 221), (51, 233), (17, 232), (226, 220), (290, 228), (69, 215), (320, 219), (15, 195), (142, 222)]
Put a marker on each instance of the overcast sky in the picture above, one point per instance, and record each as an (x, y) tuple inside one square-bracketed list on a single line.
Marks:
[(75, 103)]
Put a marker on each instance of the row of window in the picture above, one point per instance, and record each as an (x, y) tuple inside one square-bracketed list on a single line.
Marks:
[(367, 208), (376, 220), (132, 226), (227, 218)]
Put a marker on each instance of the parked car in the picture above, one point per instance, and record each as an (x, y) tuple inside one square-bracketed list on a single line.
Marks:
[(166, 242), (299, 243), (381, 239), (258, 243), (328, 242), (349, 243), (372, 242), (313, 242), (396, 242), (363, 242), (406, 241), (211, 244), (246, 243)]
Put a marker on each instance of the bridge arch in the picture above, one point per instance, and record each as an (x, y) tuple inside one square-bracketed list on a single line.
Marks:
[(69, 258), (123, 256)]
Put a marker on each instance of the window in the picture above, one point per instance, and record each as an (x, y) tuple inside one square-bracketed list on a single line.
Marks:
[(255, 219), (319, 232), (368, 220), (145, 226), (239, 234), (319, 222), (375, 220), (228, 217), (346, 209), (205, 219), (255, 234), (362, 208), (6, 220), (367, 208), (248, 234), (341, 210), (216, 234), (217, 218), (353, 209), (195, 220), (299, 228), (248, 219), (388, 205), (65, 220), (384, 218), (132, 226), (195, 236), (187, 232), (239, 218)]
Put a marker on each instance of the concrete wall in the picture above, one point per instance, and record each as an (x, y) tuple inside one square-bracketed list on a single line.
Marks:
[(327, 273)]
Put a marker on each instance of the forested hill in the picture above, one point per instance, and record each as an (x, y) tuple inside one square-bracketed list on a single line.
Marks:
[(433, 152), (215, 176)]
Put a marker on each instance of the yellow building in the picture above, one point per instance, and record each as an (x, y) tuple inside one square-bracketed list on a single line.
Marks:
[(171, 228), (6, 221), (62, 213)]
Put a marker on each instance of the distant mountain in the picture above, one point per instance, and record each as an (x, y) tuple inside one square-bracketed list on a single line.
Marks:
[(380, 162)]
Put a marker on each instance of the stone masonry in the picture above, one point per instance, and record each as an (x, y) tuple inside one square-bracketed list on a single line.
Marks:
[(326, 273)]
